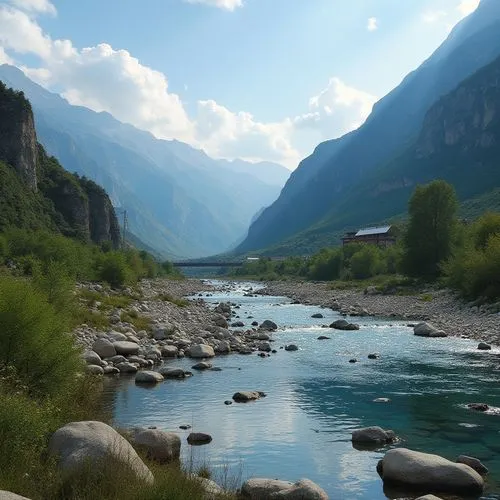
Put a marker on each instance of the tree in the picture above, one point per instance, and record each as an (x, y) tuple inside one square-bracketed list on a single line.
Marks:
[(429, 237)]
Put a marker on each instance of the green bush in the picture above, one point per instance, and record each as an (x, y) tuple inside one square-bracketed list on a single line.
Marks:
[(113, 269), (34, 339), (367, 262)]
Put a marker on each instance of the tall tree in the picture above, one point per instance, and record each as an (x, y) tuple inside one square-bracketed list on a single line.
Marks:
[(431, 229)]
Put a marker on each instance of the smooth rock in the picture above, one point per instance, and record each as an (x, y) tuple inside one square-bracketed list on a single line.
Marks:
[(264, 347), (268, 325), (94, 369), (418, 470), (7, 495), (474, 463), (104, 348), (372, 434), (317, 316), (202, 365), (83, 444), (323, 337), (373, 356), (92, 358), (427, 330), (291, 347), (304, 489), (262, 488), (116, 336), (172, 372), (199, 438), (126, 348), (111, 370), (201, 351), (169, 351), (245, 396), (126, 367), (484, 347), (429, 497), (158, 445), (148, 377), (478, 406)]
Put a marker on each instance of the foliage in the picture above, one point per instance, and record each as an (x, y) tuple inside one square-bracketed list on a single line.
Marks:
[(367, 262), (431, 229), (113, 269)]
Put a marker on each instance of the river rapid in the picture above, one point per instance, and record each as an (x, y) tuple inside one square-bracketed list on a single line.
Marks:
[(316, 397)]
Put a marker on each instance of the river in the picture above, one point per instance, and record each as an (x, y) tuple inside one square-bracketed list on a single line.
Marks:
[(315, 398)]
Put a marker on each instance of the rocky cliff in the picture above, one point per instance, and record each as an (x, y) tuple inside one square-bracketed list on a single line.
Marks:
[(47, 195)]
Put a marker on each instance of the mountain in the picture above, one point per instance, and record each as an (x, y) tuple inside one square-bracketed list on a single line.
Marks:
[(36, 192), (179, 201), (328, 184)]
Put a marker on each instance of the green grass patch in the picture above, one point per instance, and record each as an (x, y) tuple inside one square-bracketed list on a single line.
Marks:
[(140, 322), (166, 297)]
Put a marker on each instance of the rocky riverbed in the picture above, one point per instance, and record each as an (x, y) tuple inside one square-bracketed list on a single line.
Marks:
[(442, 308)]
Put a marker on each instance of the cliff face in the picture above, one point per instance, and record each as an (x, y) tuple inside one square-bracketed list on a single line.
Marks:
[(18, 145), (76, 206)]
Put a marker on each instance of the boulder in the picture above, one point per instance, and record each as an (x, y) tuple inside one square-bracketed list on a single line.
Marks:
[(264, 347), (110, 370), (201, 351), (196, 438), (126, 348), (80, 444), (117, 359), (92, 358), (478, 406), (373, 355), (267, 489), (148, 377), (116, 336), (473, 463), (237, 324), (268, 325), (202, 365), (342, 324), (372, 435), (291, 347), (483, 346), (245, 396), (94, 370), (417, 470), (104, 348), (317, 316), (7, 495), (159, 445), (212, 490), (169, 351), (172, 372), (427, 330), (323, 337), (126, 367), (263, 336)]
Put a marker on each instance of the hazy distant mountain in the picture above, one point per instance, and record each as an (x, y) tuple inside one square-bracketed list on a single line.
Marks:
[(327, 185), (179, 201)]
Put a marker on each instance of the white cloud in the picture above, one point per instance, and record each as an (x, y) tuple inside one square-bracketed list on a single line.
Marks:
[(221, 4), (466, 7), (372, 24), (4, 58), (337, 109), (42, 6), (433, 16)]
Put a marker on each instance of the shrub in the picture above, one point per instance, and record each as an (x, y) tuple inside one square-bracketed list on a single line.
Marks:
[(113, 269), (367, 262)]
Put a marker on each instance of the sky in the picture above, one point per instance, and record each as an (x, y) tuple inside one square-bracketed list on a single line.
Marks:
[(252, 79)]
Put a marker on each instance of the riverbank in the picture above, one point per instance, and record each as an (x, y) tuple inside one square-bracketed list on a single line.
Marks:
[(440, 307)]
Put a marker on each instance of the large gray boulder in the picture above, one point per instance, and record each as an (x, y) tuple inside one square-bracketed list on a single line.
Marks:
[(126, 367), (126, 348), (169, 351), (168, 372), (474, 463), (80, 444), (342, 324), (104, 348), (372, 435), (424, 471), (92, 358), (7, 495), (148, 377), (427, 330), (268, 489), (94, 370), (201, 351), (158, 445), (268, 325)]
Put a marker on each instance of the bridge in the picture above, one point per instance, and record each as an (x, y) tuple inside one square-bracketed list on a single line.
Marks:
[(207, 264)]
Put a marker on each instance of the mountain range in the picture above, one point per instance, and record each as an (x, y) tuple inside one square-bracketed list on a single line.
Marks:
[(179, 201), (440, 122)]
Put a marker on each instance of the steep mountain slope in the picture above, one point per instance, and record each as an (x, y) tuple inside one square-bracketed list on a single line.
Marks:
[(179, 201), (36, 192), (323, 180), (459, 142)]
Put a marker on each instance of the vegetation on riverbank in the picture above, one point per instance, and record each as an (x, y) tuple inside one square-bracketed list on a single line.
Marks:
[(435, 247)]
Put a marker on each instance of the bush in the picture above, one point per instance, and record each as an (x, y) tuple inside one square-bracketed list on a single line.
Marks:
[(113, 269), (367, 262), (34, 339)]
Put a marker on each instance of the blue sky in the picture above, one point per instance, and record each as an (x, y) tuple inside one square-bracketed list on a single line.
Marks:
[(257, 79)]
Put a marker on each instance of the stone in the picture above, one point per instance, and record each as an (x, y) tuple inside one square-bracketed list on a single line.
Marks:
[(429, 497), (339, 324), (228, 402), (201, 351), (104, 348), (268, 325), (203, 365), (304, 489), (474, 463), (111, 370), (422, 471), (197, 438), (245, 396), (117, 359), (237, 324), (291, 347), (255, 323), (372, 435), (317, 316), (159, 445), (323, 337), (148, 377), (353, 360), (126, 367), (478, 406), (381, 400), (116, 336), (267, 489), (94, 369), (167, 372), (92, 358), (7, 495), (483, 346), (374, 356), (83, 444), (126, 348), (184, 427), (169, 351), (427, 330), (264, 347)]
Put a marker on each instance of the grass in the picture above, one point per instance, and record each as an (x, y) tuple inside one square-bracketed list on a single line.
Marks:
[(139, 322), (426, 297), (166, 297)]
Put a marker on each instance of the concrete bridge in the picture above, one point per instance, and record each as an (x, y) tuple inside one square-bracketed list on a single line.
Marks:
[(207, 264)]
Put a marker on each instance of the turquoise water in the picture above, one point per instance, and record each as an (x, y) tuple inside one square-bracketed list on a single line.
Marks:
[(316, 398)]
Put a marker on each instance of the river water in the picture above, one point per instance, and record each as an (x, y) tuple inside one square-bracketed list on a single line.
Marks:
[(315, 398)]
